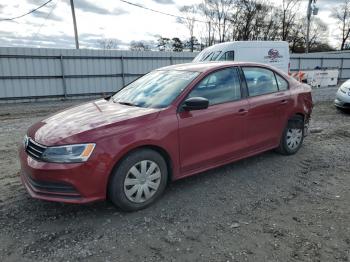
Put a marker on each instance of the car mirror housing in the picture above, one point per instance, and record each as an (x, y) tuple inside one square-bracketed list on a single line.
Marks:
[(195, 103)]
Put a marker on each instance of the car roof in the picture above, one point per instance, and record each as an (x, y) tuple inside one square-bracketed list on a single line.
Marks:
[(208, 66)]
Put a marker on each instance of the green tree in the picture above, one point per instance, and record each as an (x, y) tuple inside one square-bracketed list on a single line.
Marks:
[(163, 44), (177, 45)]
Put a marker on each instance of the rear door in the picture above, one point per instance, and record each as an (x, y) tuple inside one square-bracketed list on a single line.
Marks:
[(268, 107), (216, 134)]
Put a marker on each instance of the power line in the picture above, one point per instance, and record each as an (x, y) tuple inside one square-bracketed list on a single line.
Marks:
[(52, 9), (160, 12), (32, 11)]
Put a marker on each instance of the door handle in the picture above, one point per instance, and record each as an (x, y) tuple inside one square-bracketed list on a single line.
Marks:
[(284, 101), (242, 111), (280, 94)]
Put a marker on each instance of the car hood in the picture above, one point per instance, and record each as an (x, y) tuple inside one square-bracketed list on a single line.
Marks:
[(89, 116)]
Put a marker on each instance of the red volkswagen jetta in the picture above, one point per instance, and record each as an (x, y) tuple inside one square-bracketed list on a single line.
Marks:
[(171, 123)]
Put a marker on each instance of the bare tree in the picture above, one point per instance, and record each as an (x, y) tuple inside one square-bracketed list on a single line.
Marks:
[(139, 46), (342, 14), (189, 20), (317, 40), (108, 43), (209, 16), (288, 16), (318, 32), (220, 11)]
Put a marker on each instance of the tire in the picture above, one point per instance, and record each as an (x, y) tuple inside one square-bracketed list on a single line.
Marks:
[(292, 136), (139, 180)]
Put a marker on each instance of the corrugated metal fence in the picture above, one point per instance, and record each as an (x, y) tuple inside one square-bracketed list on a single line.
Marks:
[(32, 73), (339, 60)]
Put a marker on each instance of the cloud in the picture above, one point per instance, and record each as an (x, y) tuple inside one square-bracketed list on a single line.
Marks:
[(52, 41), (42, 14), (118, 11), (165, 2), (87, 6), (61, 40), (328, 4)]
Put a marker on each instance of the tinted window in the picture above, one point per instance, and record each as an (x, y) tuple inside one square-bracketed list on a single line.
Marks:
[(219, 87), (156, 89), (260, 81), (228, 56), (282, 83)]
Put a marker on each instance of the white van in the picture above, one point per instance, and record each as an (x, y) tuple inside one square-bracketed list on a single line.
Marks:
[(275, 53)]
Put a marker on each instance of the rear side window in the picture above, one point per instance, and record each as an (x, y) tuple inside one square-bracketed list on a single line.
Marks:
[(228, 56), (260, 81), (219, 87), (282, 83)]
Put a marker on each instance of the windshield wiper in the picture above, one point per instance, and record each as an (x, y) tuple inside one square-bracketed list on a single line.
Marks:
[(107, 98), (125, 103)]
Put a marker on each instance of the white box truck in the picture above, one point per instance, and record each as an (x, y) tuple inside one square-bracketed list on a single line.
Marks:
[(275, 53)]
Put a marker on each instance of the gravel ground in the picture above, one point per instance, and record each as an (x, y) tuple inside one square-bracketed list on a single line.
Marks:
[(265, 208)]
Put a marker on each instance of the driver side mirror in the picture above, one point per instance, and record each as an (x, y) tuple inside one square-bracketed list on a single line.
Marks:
[(195, 103)]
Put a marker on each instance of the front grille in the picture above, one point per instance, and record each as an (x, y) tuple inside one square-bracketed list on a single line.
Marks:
[(34, 149)]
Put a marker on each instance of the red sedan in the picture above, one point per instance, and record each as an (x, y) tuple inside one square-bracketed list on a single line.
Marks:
[(169, 124)]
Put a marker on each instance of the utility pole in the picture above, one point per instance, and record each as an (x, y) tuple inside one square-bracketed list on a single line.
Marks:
[(308, 25), (75, 25), (311, 10)]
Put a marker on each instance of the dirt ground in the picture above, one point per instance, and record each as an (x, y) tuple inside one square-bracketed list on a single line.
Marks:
[(265, 208)]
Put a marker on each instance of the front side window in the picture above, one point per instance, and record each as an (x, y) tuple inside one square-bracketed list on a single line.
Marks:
[(201, 56), (215, 55), (260, 81), (207, 57), (157, 89), (219, 87), (228, 56)]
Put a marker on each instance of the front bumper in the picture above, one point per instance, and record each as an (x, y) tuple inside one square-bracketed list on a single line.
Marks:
[(68, 183), (341, 104), (342, 100)]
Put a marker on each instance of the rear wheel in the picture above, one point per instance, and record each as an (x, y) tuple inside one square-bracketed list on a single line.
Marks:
[(292, 137), (139, 180)]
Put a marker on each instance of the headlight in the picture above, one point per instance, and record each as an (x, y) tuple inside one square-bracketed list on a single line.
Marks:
[(68, 154), (25, 141)]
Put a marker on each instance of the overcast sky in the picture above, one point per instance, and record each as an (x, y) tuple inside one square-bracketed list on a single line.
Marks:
[(52, 26)]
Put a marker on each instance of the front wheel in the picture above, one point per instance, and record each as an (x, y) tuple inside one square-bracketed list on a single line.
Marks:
[(292, 137), (139, 180)]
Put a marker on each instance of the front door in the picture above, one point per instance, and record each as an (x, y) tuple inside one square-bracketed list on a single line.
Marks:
[(216, 134)]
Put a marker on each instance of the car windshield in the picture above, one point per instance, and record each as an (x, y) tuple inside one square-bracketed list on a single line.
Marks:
[(157, 89)]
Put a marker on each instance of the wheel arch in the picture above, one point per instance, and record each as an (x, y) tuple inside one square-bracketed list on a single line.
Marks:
[(296, 119), (164, 153)]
